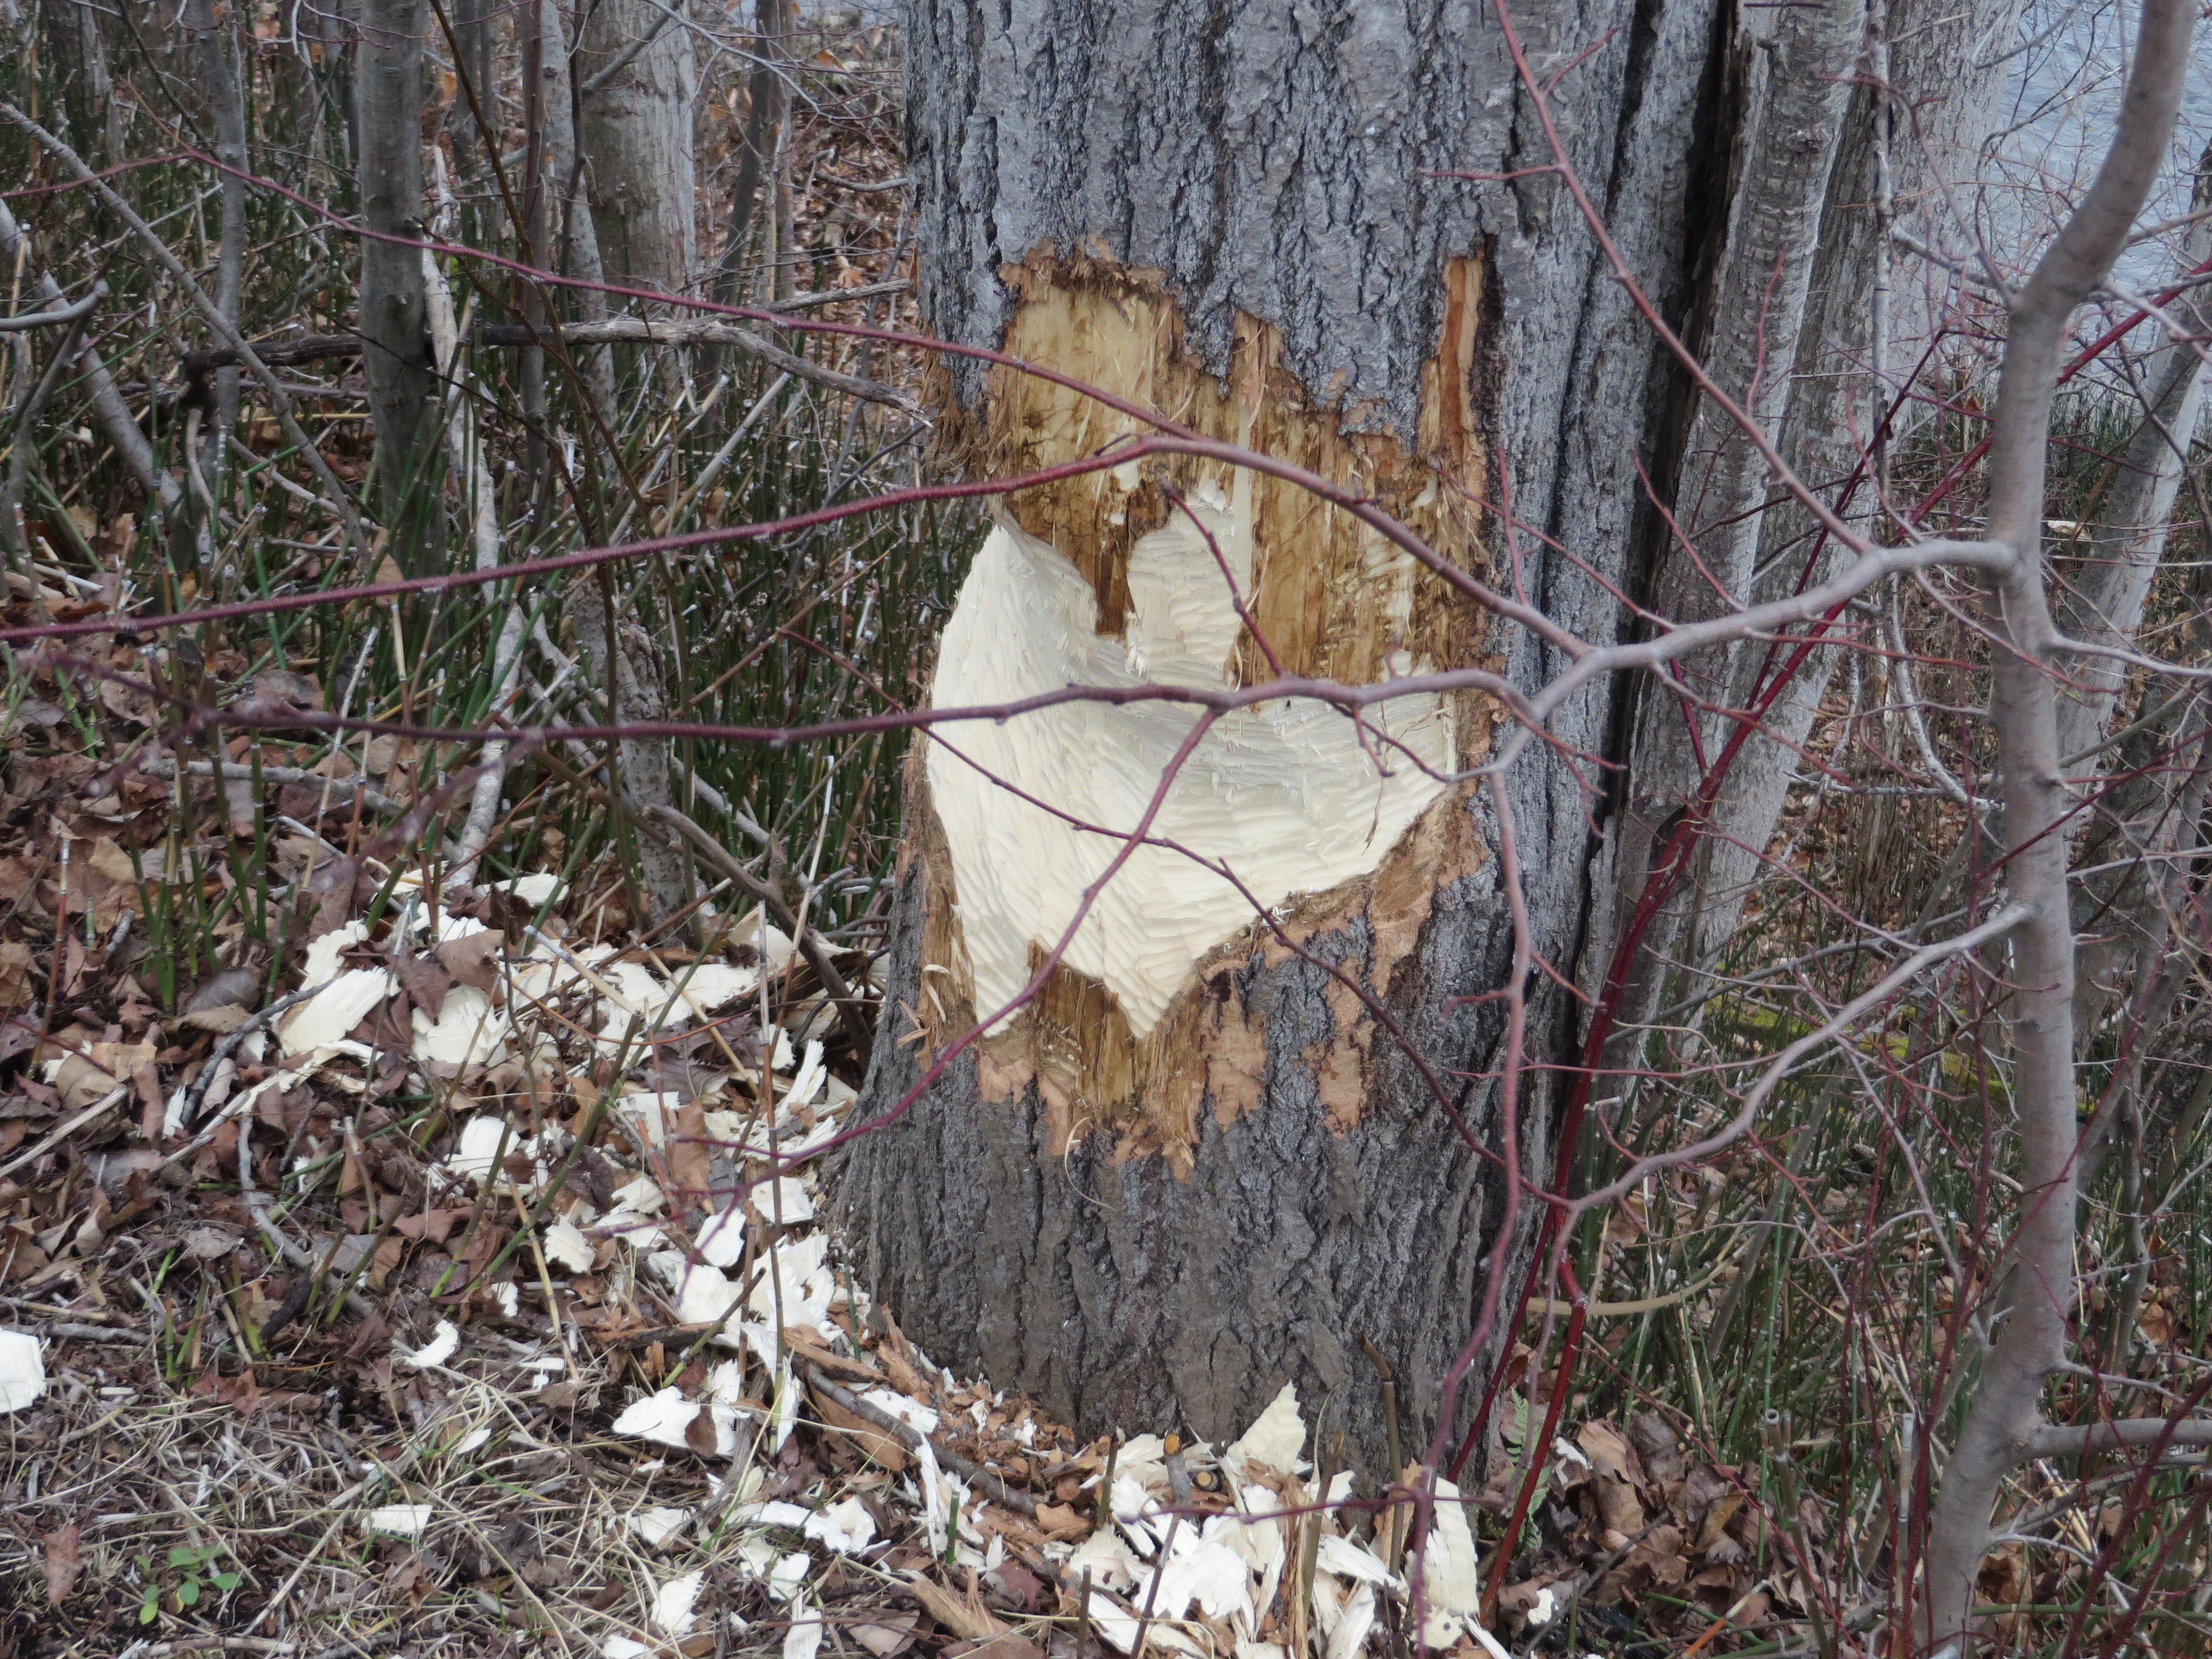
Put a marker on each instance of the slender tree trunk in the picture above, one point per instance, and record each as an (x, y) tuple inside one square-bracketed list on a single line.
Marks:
[(77, 46), (394, 315), (2146, 790), (2002, 1423), (567, 237), (635, 79), (635, 65), (1203, 1162), (117, 422), (767, 107), (474, 118), (2136, 520), (216, 46)]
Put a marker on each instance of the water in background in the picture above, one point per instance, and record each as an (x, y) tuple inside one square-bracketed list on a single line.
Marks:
[(2069, 59)]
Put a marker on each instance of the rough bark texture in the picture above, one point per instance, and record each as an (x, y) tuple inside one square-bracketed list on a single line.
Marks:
[(637, 135), (394, 314), (1250, 198), (1788, 326)]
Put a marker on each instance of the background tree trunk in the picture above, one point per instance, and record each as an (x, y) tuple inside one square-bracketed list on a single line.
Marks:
[(767, 100), (636, 84), (1158, 1196), (216, 44), (1801, 324), (394, 314), (636, 66)]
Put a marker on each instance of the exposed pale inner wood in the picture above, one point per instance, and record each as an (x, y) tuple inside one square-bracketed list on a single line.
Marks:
[(1288, 797)]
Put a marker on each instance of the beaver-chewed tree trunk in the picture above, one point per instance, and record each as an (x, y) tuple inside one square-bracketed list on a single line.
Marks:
[(1218, 1151)]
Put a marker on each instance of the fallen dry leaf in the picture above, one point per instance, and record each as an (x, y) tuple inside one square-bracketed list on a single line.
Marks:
[(887, 1636), (1060, 1521), (61, 1563), (424, 981), (16, 991), (224, 1003), (473, 959), (862, 1433)]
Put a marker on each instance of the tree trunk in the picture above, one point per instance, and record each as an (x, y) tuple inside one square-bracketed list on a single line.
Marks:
[(216, 42), (636, 70), (77, 46), (1211, 1157), (1798, 324), (767, 100), (2123, 909), (394, 308), (636, 81)]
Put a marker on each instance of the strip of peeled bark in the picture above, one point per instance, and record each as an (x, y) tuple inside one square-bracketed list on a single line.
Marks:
[(394, 306), (1203, 1162)]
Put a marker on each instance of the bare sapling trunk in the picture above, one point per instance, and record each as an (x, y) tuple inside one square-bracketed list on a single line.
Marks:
[(215, 45), (118, 424), (636, 90), (394, 308), (2136, 518), (2004, 1424), (766, 112), (635, 62), (77, 46), (2125, 548), (565, 236)]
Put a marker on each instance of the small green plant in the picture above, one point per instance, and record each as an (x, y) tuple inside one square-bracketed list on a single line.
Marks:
[(192, 1580)]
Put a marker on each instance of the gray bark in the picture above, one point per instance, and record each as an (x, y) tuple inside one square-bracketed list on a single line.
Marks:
[(625, 660), (2124, 912), (1126, 1297), (116, 420), (636, 159), (394, 306), (78, 49), (767, 100), (566, 237), (1279, 164), (636, 132), (1800, 324), (216, 46), (2135, 521), (2005, 1416)]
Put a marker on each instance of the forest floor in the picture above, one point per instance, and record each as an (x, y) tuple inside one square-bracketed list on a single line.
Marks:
[(445, 1296)]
